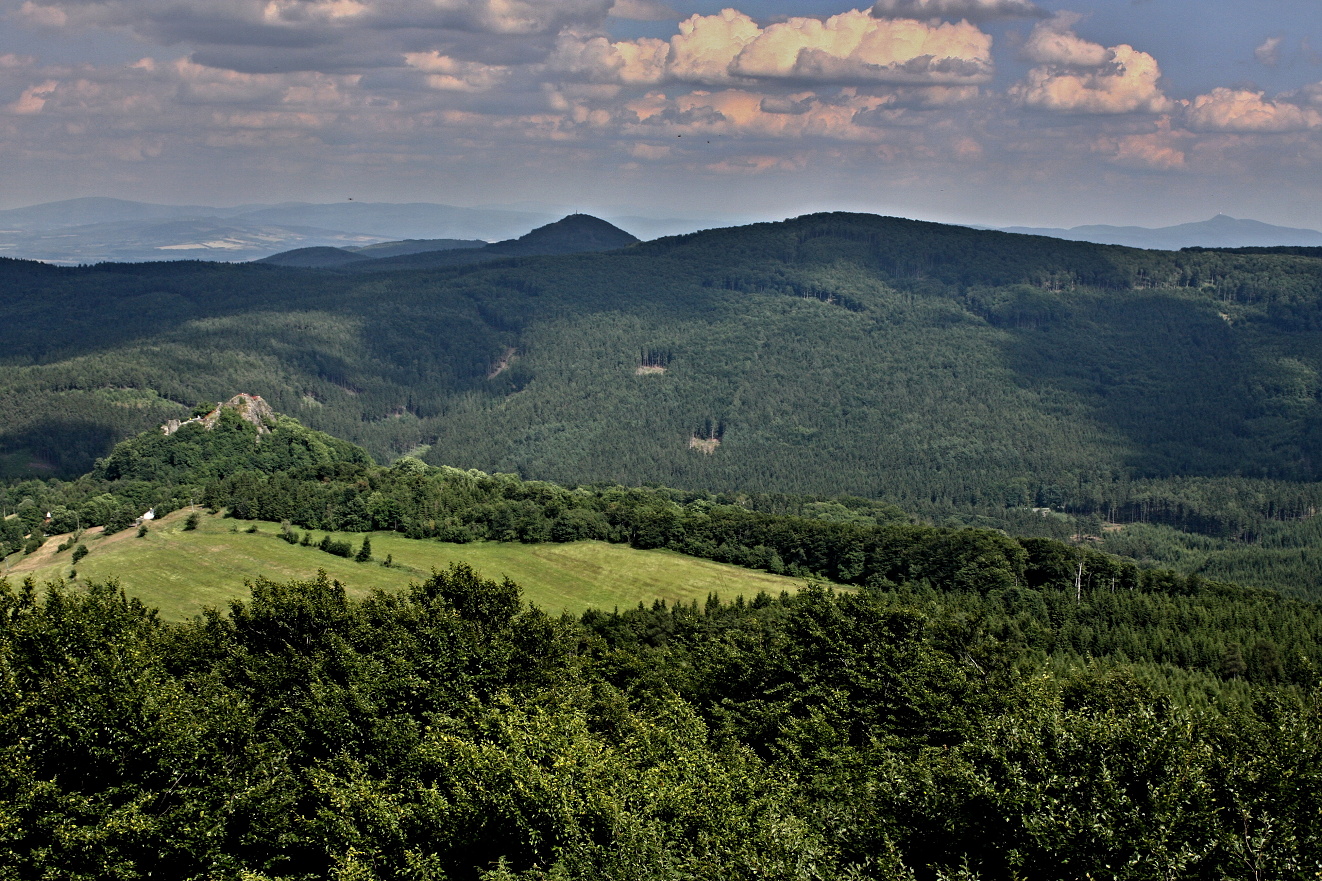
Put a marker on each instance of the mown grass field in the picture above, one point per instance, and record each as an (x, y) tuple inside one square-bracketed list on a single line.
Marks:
[(182, 571)]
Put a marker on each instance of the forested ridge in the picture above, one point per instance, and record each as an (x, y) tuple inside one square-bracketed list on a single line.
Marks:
[(970, 705), (953, 372)]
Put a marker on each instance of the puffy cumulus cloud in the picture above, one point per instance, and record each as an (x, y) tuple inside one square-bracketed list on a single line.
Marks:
[(181, 96), (1157, 151), (794, 104), (42, 16), (707, 45), (448, 74), (731, 48), (1240, 110), (969, 10), (1054, 43), (34, 98), (1269, 52), (855, 47), (302, 11), (11, 61), (1078, 76), (739, 113), (597, 59), (650, 152)]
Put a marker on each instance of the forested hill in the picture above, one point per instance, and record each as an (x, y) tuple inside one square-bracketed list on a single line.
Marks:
[(977, 707), (575, 234), (946, 369)]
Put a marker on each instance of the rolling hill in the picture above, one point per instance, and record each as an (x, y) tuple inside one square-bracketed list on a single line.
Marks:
[(575, 234), (953, 371)]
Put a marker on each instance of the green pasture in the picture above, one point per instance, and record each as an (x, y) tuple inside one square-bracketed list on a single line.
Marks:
[(183, 571)]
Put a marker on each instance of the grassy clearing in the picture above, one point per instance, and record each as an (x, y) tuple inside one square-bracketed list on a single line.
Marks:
[(181, 571)]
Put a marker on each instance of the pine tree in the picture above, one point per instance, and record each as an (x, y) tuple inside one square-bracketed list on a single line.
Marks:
[(365, 552)]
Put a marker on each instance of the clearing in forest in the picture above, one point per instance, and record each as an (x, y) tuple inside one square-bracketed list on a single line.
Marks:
[(182, 571)]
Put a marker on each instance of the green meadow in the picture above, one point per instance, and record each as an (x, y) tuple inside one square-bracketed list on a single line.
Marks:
[(180, 572)]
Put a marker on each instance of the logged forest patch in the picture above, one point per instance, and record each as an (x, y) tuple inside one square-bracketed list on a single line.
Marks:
[(706, 445)]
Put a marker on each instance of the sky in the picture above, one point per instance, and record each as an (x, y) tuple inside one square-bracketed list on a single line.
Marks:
[(991, 112)]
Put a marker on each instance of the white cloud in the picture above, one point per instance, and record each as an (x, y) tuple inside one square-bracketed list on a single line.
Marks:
[(518, 89), (1269, 52), (34, 98), (42, 16), (854, 47), (596, 58), (1079, 76), (448, 74), (1157, 151), (707, 45), (10, 61), (1240, 110), (303, 11), (748, 114), (731, 48), (1054, 43)]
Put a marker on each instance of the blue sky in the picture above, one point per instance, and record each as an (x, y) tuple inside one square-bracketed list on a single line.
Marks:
[(995, 112)]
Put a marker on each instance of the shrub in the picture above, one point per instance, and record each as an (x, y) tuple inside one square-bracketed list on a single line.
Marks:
[(192, 521), (339, 548)]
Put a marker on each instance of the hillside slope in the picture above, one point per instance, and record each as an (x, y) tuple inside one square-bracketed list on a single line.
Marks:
[(943, 368), (575, 234)]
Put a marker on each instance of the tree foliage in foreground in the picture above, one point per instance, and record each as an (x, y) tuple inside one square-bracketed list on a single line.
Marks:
[(451, 732)]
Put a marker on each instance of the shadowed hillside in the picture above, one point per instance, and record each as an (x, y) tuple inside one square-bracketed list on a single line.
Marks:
[(950, 370)]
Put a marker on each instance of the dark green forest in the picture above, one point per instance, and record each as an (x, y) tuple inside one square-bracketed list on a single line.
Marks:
[(452, 732), (969, 377), (967, 705)]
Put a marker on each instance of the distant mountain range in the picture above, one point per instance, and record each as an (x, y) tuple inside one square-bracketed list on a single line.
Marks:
[(1219, 232), (575, 234), (99, 230), (103, 230)]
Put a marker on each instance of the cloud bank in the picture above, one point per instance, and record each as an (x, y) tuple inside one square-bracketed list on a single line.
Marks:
[(428, 90), (1078, 76)]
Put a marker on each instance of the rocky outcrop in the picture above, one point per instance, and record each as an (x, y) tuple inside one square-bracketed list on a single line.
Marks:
[(251, 408)]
